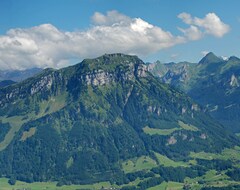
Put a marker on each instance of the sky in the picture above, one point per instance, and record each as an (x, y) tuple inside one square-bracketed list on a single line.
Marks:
[(58, 33)]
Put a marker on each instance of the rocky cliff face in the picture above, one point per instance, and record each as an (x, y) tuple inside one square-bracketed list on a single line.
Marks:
[(100, 77)]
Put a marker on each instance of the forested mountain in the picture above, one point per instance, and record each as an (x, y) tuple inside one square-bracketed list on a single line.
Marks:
[(213, 83), (82, 124)]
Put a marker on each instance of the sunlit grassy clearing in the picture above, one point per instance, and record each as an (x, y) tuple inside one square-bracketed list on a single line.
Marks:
[(15, 123), (165, 161), (182, 126), (52, 105), (232, 154), (211, 178), (138, 164), (168, 186), (153, 131), (48, 185), (188, 127), (28, 134)]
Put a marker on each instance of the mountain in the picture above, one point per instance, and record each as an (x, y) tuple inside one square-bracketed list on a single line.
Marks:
[(210, 58), (213, 83), (88, 122), (179, 75), (5, 83), (18, 75)]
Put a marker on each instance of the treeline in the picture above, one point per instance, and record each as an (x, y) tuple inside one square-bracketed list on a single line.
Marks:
[(178, 174), (154, 181), (232, 187), (215, 164), (4, 128), (234, 174)]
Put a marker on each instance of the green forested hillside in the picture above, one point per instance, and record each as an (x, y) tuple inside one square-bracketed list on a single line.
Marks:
[(85, 124)]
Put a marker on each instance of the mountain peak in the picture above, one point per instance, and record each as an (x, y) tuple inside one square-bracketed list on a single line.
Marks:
[(109, 62), (210, 58), (114, 55), (110, 68), (234, 58)]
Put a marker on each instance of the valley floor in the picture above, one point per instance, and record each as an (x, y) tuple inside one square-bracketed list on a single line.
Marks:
[(211, 178)]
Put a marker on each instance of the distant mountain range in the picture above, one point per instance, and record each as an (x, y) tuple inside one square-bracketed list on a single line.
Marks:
[(101, 119), (214, 83), (12, 76)]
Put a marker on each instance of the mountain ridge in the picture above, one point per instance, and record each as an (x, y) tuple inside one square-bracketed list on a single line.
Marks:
[(79, 124), (213, 83), (210, 58)]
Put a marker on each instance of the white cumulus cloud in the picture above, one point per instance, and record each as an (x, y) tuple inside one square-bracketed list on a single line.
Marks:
[(47, 46), (192, 33), (187, 18), (210, 24), (112, 17)]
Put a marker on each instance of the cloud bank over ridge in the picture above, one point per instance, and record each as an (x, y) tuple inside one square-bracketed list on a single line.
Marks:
[(47, 46)]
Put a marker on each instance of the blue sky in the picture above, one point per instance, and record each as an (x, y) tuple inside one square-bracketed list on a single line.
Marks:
[(56, 33)]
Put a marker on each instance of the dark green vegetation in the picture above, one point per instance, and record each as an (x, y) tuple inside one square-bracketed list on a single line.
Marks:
[(232, 187), (106, 119), (5, 83), (214, 83)]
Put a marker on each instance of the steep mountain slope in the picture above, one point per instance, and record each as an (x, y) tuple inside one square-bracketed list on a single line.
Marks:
[(213, 83), (80, 123)]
